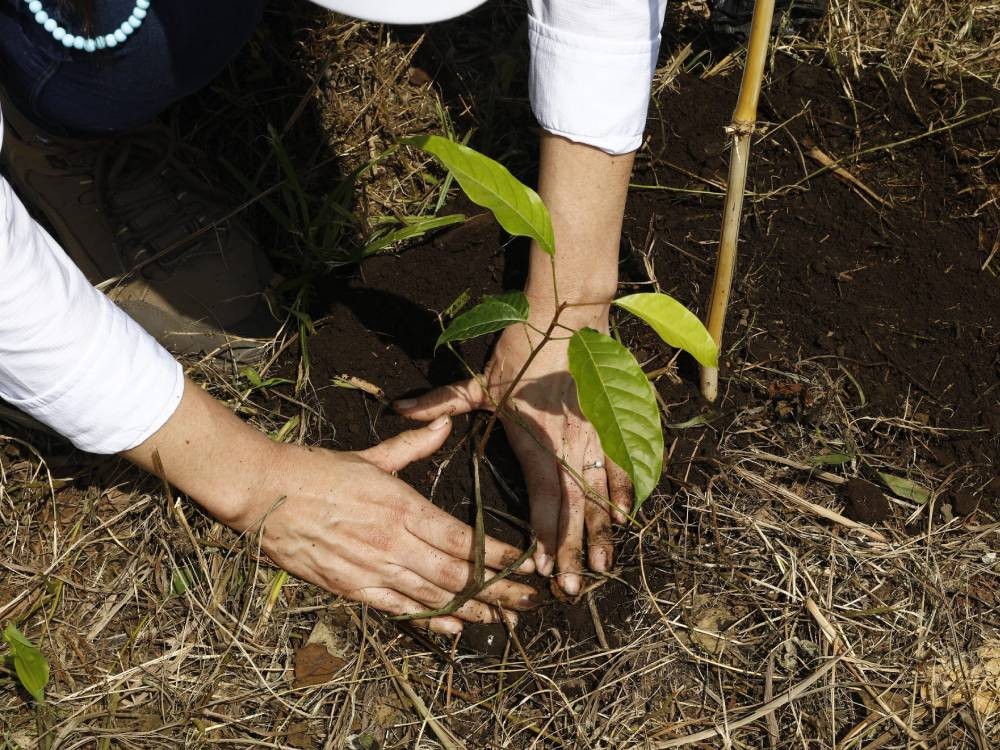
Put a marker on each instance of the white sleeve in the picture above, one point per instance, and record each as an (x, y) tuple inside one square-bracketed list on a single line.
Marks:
[(592, 63), (68, 356)]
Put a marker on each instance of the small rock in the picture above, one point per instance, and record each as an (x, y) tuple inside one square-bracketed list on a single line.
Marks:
[(865, 501)]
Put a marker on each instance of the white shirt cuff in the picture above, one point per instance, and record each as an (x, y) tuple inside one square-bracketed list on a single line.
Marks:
[(589, 88)]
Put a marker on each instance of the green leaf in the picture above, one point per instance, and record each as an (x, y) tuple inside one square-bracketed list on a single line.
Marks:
[(831, 459), (256, 381), (487, 183), (30, 664), (492, 314), (180, 581), (416, 227), (674, 323), (904, 488), (617, 398)]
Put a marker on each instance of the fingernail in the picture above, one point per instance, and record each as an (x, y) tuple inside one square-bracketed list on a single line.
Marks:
[(544, 565), (404, 403), (453, 627), (532, 600), (439, 423), (527, 567), (570, 584)]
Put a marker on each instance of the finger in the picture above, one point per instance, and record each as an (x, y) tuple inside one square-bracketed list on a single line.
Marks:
[(406, 447), (448, 534), (571, 524), (456, 575), (395, 603), (434, 597), (597, 512), (619, 489), (458, 398), (541, 475)]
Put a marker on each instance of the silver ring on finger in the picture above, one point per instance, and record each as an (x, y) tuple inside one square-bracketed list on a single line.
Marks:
[(598, 464)]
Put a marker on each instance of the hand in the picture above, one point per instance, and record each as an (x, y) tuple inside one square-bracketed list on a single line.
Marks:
[(344, 522), (543, 423)]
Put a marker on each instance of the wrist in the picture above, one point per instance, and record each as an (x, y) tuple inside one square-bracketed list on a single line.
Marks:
[(213, 457), (259, 492), (577, 307)]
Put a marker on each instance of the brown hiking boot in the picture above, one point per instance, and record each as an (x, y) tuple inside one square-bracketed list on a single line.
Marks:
[(149, 232)]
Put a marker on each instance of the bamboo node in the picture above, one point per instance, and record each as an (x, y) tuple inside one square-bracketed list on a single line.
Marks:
[(741, 128)]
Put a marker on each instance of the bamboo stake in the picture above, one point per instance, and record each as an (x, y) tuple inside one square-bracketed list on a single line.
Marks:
[(742, 127)]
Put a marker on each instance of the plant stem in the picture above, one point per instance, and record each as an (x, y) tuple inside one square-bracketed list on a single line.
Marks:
[(742, 127), (481, 447)]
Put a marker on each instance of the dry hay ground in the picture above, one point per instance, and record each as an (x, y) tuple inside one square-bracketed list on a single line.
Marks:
[(759, 617)]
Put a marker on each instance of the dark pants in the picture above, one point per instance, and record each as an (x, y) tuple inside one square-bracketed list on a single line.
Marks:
[(180, 47)]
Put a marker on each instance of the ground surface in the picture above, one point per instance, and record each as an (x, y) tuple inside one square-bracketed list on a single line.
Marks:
[(852, 321), (864, 337)]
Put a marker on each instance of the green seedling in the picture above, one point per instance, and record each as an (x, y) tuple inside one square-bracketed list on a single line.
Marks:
[(613, 391), (257, 382), (27, 662)]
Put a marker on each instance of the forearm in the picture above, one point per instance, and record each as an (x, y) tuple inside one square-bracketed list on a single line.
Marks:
[(212, 456), (585, 190), (591, 66)]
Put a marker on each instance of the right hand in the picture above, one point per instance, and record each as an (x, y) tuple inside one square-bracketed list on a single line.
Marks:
[(344, 522)]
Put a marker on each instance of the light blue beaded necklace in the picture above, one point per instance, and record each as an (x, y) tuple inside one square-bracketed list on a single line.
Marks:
[(87, 43)]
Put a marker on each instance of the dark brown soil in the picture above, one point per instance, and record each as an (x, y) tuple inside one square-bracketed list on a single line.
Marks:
[(894, 295), (963, 503), (865, 501)]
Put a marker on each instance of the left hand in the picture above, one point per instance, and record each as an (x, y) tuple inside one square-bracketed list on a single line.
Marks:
[(543, 423)]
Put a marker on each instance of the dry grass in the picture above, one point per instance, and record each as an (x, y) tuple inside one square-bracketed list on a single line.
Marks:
[(158, 638), (947, 37)]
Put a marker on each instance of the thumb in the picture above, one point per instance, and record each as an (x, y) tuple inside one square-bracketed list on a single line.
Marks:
[(458, 398), (405, 448)]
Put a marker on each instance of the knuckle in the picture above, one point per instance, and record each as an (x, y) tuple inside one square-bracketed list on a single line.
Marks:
[(600, 536), (457, 539), (473, 612), (384, 599), (431, 595), (448, 576), (570, 556), (380, 540), (509, 557)]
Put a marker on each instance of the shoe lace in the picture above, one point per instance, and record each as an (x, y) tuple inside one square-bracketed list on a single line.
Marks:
[(160, 208)]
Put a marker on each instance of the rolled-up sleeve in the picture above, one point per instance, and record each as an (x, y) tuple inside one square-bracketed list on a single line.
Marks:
[(68, 356), (592, 62)]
